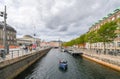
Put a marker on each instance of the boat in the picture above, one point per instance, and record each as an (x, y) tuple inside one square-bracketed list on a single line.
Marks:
[(63, 65)]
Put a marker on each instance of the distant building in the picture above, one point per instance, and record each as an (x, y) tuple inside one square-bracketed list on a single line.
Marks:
[(50, 44), (44, 44), (54, 43), (28, 40), (11, 35)]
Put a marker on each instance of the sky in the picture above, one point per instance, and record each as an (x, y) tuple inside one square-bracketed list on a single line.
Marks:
[(55, 19)]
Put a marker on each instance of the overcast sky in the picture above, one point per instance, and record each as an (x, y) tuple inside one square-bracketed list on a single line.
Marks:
[(56, 19)]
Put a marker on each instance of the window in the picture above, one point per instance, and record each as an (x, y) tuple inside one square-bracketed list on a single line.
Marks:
[(1, 34), (8, 42), (118, 16), (8, 37), (118, 35), (113, 18), (118, 44)]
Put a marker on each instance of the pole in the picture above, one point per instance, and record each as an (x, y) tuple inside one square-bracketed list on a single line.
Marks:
[(4, 37), (59, 44), (34, 39)]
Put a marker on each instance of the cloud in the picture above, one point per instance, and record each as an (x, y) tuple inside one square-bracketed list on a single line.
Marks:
[(53, 19)]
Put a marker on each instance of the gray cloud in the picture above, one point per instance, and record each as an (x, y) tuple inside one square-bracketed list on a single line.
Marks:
[(53, 19), (63, 29)]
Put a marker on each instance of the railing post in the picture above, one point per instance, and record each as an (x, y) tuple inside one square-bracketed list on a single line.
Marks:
[(12, 54), (22, 52), (18, 53)]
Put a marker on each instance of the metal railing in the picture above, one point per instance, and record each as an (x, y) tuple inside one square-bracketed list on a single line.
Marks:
[(14, 53), (113, 58)]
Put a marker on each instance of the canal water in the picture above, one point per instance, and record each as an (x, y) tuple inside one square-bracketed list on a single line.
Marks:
[(78, 68)]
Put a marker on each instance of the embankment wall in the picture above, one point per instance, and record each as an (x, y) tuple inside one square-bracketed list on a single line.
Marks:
[(11, 68)]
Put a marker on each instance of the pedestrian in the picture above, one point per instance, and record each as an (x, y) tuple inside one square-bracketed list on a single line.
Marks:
[(26, 49)]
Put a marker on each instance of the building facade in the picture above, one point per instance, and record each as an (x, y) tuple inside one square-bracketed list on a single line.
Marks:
[(54, 43), (113, 46), (50, 44), (11, 35), (28, 40)]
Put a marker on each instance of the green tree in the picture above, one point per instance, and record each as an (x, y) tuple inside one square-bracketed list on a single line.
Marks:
[(116, 10), (91, 37), (106, 33), (80, 39)]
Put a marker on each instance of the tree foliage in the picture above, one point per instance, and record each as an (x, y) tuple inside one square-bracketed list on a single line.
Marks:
[(91, 37), (107, 32), (79, 40)]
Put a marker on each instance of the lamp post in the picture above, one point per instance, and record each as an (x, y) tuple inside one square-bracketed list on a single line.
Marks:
[(34, 43), (4, 15)]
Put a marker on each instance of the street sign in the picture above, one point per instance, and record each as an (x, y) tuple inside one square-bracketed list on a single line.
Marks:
[(1, 14)]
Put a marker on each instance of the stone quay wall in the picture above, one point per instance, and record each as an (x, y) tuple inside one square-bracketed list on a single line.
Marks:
[(11, 68)]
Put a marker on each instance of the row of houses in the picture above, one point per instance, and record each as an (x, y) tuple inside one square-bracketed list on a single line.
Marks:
[(113, 46), (12, 41), (51, 44)]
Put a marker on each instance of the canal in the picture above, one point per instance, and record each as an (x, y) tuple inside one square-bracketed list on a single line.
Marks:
[(78, 68)]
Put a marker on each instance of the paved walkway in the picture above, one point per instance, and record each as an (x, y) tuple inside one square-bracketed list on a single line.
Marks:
[(104, 57), (14, 53)]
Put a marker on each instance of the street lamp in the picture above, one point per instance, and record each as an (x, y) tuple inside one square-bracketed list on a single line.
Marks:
[(4, 15), (1, 14), (34, 38)]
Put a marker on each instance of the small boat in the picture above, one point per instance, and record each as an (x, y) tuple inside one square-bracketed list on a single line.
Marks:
[(63, 65)]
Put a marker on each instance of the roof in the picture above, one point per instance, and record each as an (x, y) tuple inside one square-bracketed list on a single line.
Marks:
[(8, 27), (27, 36), (56, 41)]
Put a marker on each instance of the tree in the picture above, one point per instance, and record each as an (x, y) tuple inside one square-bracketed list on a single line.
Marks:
[(91, 37), (69, 43), (110, 14), (107, 33), (76, 41), (116, 10), (80, 39)]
